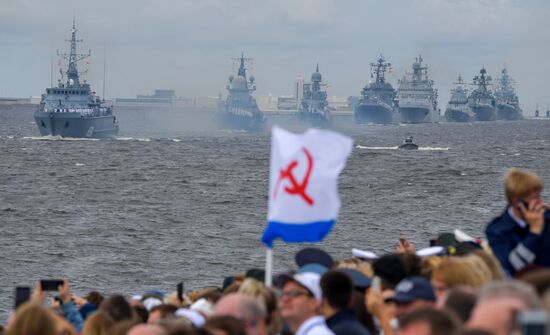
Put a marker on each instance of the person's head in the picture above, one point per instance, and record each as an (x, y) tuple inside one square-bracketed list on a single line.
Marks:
[(492, 263), (146, 330), (94, 298), (391, 269), (498, 303), (117, 307), (245, 308), (461, 301), (428, 321), (160, 312), (521, 185), (453, 272), (99, 323), (411, 294), (300, 298), (538, 278), (256, 289), (225, 325), (32, 319), (337, 290)]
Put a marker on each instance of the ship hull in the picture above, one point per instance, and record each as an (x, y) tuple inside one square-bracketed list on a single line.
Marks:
[(484, 113), (314, 119), (254, 123), (75, 125), (508, 112), (373, 113), (414, 114), (456, 115)]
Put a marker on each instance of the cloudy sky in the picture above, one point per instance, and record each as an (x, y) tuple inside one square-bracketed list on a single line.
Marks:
[(187, 45)]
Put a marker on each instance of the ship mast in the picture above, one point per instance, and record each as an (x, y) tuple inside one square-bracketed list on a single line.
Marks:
[(242, 68), (380, 68), (482, 81), (73, 58)]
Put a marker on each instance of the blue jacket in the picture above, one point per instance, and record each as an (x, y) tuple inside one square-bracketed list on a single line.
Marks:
[(345, 323), (515, 246)]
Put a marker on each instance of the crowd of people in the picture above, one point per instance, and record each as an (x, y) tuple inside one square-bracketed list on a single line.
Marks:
[(497, 286)]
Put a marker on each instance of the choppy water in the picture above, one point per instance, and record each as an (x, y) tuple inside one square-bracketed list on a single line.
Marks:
[(156, 207)]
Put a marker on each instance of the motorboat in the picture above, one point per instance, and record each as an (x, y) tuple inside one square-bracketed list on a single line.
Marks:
[(408, 144)]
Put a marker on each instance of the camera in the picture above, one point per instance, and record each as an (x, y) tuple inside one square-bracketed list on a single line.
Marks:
[(50, 284), (533, 322)]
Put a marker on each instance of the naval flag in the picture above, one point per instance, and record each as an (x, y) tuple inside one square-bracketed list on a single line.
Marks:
[(303, 184)]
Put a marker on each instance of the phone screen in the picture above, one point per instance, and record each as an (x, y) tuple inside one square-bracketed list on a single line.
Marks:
[(50, 285), (22, 294)]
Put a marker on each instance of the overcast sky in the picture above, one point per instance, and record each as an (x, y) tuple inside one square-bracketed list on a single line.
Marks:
[(187, 45)]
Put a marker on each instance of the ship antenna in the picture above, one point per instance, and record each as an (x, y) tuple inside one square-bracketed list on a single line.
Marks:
[(104, 65)]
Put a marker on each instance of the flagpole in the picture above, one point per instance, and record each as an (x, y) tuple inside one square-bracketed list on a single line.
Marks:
[(268, 267)]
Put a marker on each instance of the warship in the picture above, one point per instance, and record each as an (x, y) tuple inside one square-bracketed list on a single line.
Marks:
[(481, 100), (72, 109), (376, 104), (240, 110), (313, 108), (458, 109), (506, 99), (416, 96)]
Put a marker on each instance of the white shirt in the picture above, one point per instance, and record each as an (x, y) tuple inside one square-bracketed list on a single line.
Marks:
[(314, 326), (519, 221)]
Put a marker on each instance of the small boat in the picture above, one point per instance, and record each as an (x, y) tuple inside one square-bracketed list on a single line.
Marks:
[(408, 144)]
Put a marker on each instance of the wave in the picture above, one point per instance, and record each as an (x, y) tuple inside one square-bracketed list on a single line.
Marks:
[(132, 139), (58, 138)]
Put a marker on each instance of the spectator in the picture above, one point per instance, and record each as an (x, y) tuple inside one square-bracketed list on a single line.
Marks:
[(461, 301), (225, 325), (337, 290), (412, 293), (428, 321), (498, 303), (161, 312), (245, 308), (147, 330), (518, 236), (117, 307), (32, 319), (99, 323), (299, 304)]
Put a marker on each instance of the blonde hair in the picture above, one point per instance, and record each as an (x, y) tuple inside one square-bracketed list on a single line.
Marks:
[(519, 183), (478, 267), (492, 263), (99, 323), (32, 319), (456, 271)]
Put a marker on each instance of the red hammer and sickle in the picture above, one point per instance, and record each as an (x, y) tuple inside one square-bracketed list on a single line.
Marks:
[(296, 189)]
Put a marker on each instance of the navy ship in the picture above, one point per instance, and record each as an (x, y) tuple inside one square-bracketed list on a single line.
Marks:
[(416, 96), (506, 99), (481, 100), (458, 109), (377, 103), (72, 109), (313, 108), (240, 110)]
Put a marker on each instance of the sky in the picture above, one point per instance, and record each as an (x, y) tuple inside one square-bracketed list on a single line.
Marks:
[(188, 45)]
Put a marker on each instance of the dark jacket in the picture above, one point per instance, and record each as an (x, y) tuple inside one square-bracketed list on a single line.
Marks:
[(515, 246), (345, 322)]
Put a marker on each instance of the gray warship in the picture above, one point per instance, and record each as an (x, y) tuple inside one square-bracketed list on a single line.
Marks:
[(377, 98), (240, 110), (481, 100), (458, 109), (416, 96), (313, 108), (506, 99), (72, 109)]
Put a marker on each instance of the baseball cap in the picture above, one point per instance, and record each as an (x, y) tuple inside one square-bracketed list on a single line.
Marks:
[(413, 288), (359, 279)]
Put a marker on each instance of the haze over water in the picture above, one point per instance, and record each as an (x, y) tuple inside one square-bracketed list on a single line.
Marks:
[(158, 206)]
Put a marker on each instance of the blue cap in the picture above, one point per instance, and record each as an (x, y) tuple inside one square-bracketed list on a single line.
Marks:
[(412, 289), (359, 279), (313, 255)]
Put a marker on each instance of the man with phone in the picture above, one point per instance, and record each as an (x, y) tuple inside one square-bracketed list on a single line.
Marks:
[(521, 235)]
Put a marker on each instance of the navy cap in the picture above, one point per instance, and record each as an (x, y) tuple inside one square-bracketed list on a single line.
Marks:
[(258, 274), (359, 279), (313, 255), (412, 289)]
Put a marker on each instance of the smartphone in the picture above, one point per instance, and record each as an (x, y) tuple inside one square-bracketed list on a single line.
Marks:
[(524, 202), (22, 294), (533, 322), (50, 284), (180, 292)]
